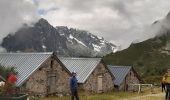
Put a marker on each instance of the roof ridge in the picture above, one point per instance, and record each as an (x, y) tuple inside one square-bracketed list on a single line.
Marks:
[(27, 53), (78, 58), (118, 66)]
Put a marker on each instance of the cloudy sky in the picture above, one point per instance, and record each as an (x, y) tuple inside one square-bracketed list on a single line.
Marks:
[(118, 21), (14, 13)]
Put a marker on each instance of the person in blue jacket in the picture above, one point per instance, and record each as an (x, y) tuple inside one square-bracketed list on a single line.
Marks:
[(73, 86)]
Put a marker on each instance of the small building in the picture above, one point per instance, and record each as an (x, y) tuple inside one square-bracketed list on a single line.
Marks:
[(46, 73), (38, 73), (92, 74), (125, 77)]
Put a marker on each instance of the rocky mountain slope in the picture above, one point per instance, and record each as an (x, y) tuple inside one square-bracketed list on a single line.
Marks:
[(42, 37)]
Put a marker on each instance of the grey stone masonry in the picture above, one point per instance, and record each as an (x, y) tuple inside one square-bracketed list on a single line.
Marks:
[(91, 85), (49, 79)]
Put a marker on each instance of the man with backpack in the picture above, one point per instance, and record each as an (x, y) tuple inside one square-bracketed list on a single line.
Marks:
[(166, 81)]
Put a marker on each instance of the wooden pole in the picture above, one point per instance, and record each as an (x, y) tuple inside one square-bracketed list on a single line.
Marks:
[(139, 88)]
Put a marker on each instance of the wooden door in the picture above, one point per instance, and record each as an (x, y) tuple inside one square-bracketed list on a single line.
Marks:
[(100, 84), (51, 82)]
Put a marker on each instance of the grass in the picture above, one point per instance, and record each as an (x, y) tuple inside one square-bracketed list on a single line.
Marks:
[(104, 96), (119, 96), (114, 96), (150, 98), (109, 96)]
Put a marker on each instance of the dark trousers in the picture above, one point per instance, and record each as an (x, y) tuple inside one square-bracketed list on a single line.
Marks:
[(163, 87), (74, 93), (167, 91)]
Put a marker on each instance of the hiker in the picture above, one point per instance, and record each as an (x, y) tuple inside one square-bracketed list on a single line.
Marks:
[(73, 86), (166, 81), (162, 84)]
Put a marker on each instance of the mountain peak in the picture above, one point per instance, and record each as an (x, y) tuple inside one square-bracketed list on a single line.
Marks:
[(168, 16), (43, 21), (66, 41)]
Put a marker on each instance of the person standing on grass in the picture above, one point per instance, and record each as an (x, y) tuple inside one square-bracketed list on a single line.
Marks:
[(166, 81), (73, 86), (162, 84)]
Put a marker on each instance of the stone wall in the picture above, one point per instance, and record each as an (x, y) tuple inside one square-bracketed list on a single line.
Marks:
[(131, 78), (63, 82), (39, 83), (91, 84)]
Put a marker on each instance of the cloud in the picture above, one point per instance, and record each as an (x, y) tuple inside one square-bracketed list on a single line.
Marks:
[(161, 26), (119, 21), (14, 13)]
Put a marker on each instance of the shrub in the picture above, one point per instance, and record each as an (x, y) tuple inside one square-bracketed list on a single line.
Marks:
[(7, 81)]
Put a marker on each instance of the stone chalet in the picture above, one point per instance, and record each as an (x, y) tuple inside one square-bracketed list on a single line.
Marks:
[(48, 74), (125, 77)]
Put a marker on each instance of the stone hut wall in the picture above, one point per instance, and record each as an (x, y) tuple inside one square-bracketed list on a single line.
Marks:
[(62, 82), (131, 78), (91, 84), (38, 81)]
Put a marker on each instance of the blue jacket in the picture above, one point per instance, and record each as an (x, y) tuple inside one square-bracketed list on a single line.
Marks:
[(73, 83)]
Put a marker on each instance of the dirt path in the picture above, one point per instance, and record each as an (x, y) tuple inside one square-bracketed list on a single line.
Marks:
[(159, 96)]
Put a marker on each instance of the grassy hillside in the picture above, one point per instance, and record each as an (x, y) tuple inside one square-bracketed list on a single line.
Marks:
[(146, 57)]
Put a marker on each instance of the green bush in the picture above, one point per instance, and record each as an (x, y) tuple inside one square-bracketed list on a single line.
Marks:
[(6, 71), (8, 76)]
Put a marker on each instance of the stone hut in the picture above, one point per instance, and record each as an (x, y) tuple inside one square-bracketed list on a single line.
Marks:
[(92, 74), (38, 73), (125, 77)]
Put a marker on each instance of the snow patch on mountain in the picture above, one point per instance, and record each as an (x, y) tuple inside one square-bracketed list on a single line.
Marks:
[(61, 34), (101, 38), (96, 47), (92, 37), (44, 47), (71, 37)]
